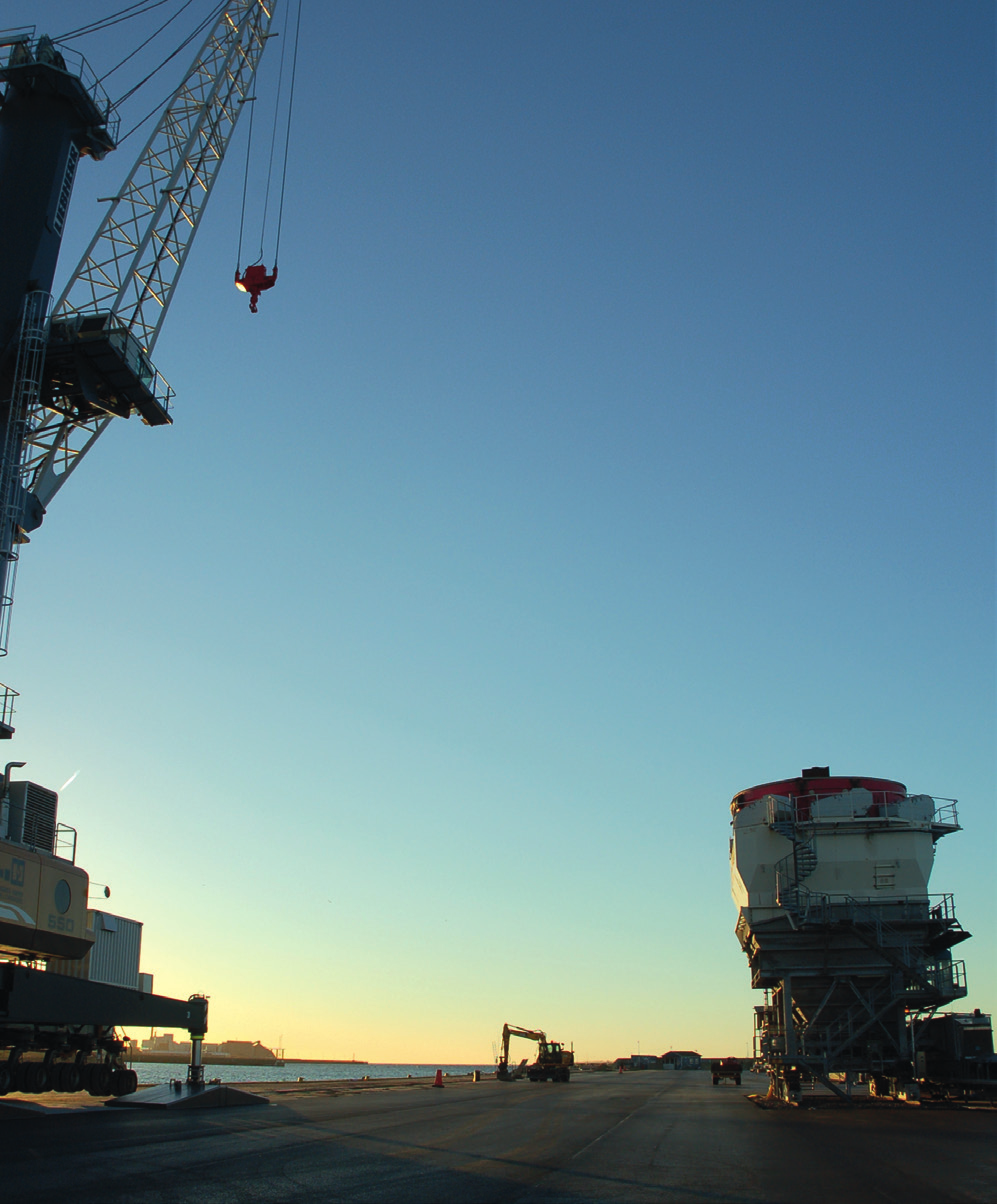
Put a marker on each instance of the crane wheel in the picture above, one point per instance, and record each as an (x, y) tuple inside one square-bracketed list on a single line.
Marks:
[(99, 1079), (123, 1082), (36, 1078), (21, 1080), (66, 1077)]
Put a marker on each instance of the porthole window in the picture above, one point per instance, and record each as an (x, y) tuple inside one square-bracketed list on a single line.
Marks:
[(63, 896)]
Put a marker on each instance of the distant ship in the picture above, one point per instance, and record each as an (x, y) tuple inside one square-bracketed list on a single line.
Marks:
[(227, 1053)]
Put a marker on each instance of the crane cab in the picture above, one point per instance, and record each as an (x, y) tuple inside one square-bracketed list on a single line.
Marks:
[(98, 366)]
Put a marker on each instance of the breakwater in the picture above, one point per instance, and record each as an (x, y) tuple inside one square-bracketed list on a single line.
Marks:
[(309, 1072)]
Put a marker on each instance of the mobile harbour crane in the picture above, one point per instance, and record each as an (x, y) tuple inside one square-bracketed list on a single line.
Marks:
[(63, 378)]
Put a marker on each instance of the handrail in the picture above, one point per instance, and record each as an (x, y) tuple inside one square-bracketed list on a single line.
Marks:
[(823, 907), (7, 696), (25, 49), (946, 813), (65, 842), (805, 809)]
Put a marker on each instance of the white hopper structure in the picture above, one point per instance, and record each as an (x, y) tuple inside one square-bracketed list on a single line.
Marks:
[(830, 877)]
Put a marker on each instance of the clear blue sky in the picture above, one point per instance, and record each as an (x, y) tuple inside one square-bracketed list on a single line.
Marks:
[(619, 434)]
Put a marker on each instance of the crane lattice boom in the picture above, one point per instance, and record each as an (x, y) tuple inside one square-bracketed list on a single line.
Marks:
[(132, 265), (120, 292)]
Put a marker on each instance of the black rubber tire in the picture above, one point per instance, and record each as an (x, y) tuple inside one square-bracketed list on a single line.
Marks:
[(99, 1079), (4, 1079), (71, 1078), (36, 1078), (737, 1079), (123, 1081)]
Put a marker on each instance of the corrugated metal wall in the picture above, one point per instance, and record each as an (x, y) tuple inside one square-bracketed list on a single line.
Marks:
[(71, 967), (116, 951)]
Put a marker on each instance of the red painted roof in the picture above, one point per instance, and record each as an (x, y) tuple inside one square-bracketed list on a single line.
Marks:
[(810, 788)]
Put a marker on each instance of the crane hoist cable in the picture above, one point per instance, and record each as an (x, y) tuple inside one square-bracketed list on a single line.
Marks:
[(273, 144), (254, 278), (132, 10), (194, 33), (251, 101), (287, 132), (142, 45), (138, 10), (160, 104)]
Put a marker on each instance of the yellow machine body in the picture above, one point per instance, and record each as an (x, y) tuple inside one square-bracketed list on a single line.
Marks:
[(43, 904)]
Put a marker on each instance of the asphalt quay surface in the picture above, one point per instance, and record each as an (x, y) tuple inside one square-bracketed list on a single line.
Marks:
[(645, 1136)]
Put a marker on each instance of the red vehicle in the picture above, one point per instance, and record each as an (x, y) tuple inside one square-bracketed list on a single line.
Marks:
[(727, 1068)]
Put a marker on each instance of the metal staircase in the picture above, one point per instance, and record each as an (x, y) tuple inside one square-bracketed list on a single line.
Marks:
[(794, 867)]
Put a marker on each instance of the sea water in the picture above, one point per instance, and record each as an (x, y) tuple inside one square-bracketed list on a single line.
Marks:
[(310, 1072)]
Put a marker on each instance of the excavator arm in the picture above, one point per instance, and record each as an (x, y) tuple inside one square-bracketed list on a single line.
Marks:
[(512, 1030)]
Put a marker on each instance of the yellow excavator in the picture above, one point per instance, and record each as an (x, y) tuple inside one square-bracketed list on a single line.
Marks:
[(553, 1062)]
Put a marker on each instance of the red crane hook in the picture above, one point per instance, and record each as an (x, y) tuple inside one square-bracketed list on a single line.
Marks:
[(255, 280)]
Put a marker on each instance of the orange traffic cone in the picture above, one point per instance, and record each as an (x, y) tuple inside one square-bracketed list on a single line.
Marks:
[(439, 1079)]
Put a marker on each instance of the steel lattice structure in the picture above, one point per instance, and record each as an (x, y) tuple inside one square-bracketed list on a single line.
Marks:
[(133, 264)]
